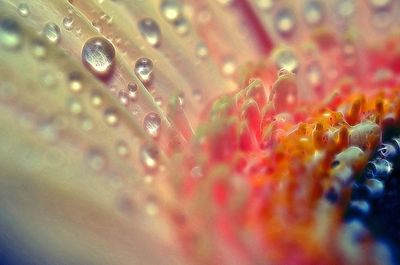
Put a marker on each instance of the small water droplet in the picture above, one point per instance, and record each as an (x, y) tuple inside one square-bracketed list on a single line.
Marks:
[(123, 97), (96, 160), (75, 82), (96, 99), (122, 148), (48, 79), (144, 69), (75, 107), (182, 26), (313, 13), (132, 91), (225, 2), (52, 32), (149, 156), (39, 49), (380, 4), (150, 31), (86, 124), (228, 66), (98, 56), (171, 9), (285, 22), (201, 50), (10, 34), (111, 117), (345, 8), (152, 124), (23, 10), (68, 23), (265, 5)]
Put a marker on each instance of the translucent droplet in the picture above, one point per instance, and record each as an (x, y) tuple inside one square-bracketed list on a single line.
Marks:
[(75, 82), (10, 33), (111, 117), (149, 156), (98, 56), (96, 99), (132, 91), (150, 31), (265, 5), (123, 97), (75, 107), (313, 13), (97, 25), (52, 32), (228, 66), (39, 49), (171, 9), (144, 69), (285, 22), (182, 26), (23, 10), (96, 160), (287, 60), (68, 23), (152, 124), (48, 79), (201, 50), (122, 148)]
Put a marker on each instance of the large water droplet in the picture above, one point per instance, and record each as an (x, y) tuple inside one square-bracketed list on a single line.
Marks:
[(98, 56), (124, 97), (52, 32), (23, 10), (265, 5), (10, 33), (152, 124), (144, 69), (171, 9), (150, 31)]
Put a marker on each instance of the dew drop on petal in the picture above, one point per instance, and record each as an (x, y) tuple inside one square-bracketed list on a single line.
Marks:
[(23, 10), (149, 156), (75, 82), (144, 69), (68, 23), (152, 124), (313, 13), (98, 55), (150, 31), (52, 32), (96, 160), (111, 117), (284, 22), (39, 49), (171, 9), (132, 91)]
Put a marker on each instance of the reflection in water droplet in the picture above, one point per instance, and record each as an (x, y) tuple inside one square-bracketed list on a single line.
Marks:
[(144, 69), (150, 31), (68, 23), (98, 56), (313, 13), (111, 117), (171, 9), (52, 32), (149, 156), (152, 124), (284, 22), (132, 91), (23, 10), (75, 82), (10, 33)]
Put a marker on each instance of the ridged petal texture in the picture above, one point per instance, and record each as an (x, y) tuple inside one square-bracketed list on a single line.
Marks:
[(193, 132)]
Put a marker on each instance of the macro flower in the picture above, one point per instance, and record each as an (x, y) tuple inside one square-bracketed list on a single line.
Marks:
[(199, 132)]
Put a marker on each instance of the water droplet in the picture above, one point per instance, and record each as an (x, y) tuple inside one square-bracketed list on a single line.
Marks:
[(225, 2), (75, 107), (150, 31), (287, 60), (380, 4), (23, 10), (96, 99), (122, 148), (98, 56), (228, 66), (265, 5), (144, 69), (345, 8), (48, 79), (86, 124), (182, 26), (75, 82), (132, 91), (201, 50), (97, 25), (313, 13), (123, 97), (149, 156), (52, 32), (96, 160), (171, 9), (68, 23), (314, 75), (39, 49), (10, 33), (111, 117), (285, 22), (152, 208), (152, 124)]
